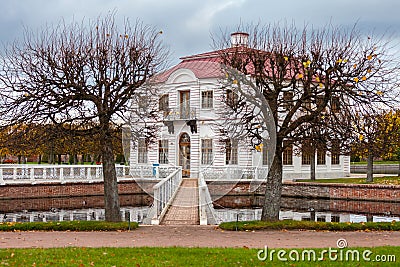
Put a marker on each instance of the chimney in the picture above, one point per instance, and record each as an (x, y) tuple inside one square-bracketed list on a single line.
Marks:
[(239, 39)]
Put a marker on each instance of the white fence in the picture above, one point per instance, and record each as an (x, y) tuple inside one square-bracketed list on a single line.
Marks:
[(164, 192), (34, 174), (234, 173)]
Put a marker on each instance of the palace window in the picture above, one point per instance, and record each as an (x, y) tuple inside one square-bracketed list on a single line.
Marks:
[(231, 148), (142, 150), (163, 151), (232, 99), (335, 153), (321, 160), (335, 158), (335, 104), (306, 154), (206, 151), (287, 157), (163, 104), (264, 154), (288, 100), (207, 99), (321, 102)]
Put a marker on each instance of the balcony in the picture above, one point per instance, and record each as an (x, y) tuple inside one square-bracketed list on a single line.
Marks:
[(180, 113)]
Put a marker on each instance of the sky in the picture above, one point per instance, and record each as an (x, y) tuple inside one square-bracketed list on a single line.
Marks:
[(188, 25)]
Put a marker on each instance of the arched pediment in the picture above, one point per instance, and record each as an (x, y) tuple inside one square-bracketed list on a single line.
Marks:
[(181, 76)]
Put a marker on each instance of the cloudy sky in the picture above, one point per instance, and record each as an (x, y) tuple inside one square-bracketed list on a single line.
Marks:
[(188, 24)]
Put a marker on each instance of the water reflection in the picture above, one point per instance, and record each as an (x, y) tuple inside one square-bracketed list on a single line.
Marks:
[(133, 214), (226, 215), (138, 214)]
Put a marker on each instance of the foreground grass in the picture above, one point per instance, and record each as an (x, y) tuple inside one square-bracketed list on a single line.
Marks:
[(176, 256), (387, 180), (309, 225), (68, 226)]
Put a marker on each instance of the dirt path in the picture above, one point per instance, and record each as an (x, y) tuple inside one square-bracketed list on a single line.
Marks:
[(196, 236)]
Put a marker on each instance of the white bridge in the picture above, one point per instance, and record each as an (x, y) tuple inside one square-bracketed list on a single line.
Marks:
[(176, 200)]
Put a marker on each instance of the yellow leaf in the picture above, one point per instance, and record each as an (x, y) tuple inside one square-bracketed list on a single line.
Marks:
[(259, 147), (379, 93), (235, 82), (369, 57), (339, 60), (345, 60), (369, 70), (321, 85), (363, 78), (299, 76), (286, 58), (356, 79), (355, 66), (317, 79)]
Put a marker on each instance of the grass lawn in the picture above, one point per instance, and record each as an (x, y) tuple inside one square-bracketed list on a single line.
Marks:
[(389, 180), (178, 256)]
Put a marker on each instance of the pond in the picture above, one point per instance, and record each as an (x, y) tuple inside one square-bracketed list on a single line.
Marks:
[(308, 212)]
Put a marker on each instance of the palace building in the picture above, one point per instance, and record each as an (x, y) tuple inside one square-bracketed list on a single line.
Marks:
[(189, 95)]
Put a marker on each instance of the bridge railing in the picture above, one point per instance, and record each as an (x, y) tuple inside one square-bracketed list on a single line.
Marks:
[(234, 173), (206, 207), (164, 192), (34, 174)]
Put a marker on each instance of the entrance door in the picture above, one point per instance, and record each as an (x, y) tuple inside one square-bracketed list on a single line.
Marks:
[(184, 104), (184, 154)]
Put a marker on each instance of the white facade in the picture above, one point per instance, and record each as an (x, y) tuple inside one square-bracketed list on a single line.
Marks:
[(191, 94)]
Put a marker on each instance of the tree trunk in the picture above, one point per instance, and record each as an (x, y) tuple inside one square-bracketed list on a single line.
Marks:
[(370, 168), (40, 159), (312, 165), (111, 199), (273, 190), (59, 159)]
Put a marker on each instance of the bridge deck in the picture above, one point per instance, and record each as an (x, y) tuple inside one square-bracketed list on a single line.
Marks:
[(184, 209)]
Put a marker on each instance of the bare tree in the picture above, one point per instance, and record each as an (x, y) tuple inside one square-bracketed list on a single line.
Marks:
[(80, 75), (299, 73)]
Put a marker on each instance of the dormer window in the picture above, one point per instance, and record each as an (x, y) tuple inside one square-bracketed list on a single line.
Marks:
[(207, 99)]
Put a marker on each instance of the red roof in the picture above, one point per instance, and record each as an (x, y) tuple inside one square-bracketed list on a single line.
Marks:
[(208, 65), (205, 65)]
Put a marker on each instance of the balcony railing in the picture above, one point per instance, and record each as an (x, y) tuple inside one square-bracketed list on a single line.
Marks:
[(180, 113)]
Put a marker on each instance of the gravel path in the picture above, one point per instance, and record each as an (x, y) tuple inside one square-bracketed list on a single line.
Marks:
[(196, 236)]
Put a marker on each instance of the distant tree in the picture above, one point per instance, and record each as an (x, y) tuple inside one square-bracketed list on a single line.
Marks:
[(80, 75), (378, 135), (282, 69)]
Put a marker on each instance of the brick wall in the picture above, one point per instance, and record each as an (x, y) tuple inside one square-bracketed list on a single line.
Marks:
[(351, 198), (370, 192), (71, 189), (70, 196), (343, 197)]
